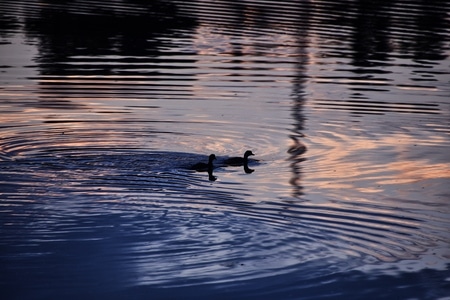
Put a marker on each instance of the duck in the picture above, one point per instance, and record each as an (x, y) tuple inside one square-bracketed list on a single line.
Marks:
[(202, 167), (238, 161)]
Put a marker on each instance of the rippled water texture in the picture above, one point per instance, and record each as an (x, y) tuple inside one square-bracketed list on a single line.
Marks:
[(106, 104)]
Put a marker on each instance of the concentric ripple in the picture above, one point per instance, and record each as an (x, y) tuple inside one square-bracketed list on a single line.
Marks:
[(105, 105)]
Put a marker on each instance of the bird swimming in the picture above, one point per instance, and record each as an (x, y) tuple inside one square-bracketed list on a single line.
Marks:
[(238, 161), (203, 167)]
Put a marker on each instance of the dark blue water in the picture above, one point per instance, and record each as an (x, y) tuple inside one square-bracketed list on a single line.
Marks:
[(104, 106)]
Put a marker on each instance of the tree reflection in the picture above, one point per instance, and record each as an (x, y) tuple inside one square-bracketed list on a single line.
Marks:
[(131, 30), (66, 29), (297, 148)]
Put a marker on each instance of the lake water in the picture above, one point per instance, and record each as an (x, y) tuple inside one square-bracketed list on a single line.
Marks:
[(105, 105)]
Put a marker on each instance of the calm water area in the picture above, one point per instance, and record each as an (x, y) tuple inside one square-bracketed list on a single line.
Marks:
[(104, 106)]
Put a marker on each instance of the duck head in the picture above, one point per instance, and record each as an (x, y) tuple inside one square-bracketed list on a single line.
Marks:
[(248, 153), (212, 157)]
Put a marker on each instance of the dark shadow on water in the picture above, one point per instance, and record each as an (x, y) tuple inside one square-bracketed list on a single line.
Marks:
[(119, 33), (68, 32), (211, 176), (103, 28), (247, 170), (377, 27)]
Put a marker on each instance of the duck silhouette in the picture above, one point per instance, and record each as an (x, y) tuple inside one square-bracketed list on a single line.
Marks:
[(204, 167), (238, 161)]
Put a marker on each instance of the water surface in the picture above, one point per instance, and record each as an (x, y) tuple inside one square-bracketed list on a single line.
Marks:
[(104, 105)]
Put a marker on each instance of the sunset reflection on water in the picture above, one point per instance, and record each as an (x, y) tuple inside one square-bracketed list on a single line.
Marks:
[(346, 114)]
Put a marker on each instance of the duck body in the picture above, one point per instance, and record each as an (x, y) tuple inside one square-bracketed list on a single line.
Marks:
[(238, 161), (204, 167)]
